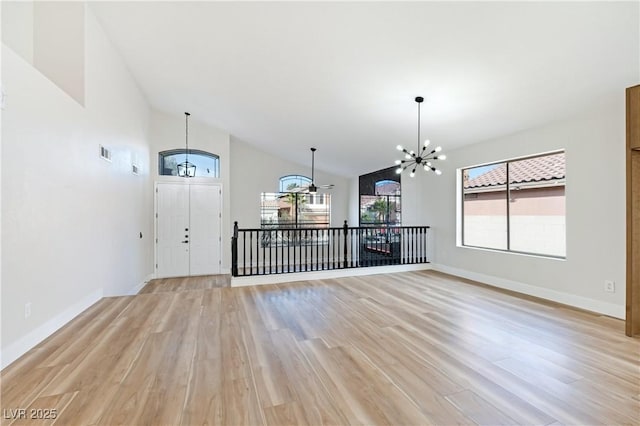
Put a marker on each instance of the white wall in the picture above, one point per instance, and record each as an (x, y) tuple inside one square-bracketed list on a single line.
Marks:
[(168, 132), (17, 27), (595, 206), (58, 44), (254, 171), (70, 220)]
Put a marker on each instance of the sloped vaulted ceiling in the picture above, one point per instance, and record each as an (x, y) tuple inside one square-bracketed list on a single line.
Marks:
[(342, 76)]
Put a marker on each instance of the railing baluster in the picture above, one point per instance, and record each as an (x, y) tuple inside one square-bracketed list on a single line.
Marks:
[(322, 251), (405, 249), (257, 253), (250, 252), (288, 250), (234, 250)]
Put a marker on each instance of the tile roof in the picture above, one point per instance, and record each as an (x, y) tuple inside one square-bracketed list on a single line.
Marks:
[(547, 168)]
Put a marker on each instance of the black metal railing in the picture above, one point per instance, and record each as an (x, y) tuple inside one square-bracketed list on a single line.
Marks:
[(278, 250)]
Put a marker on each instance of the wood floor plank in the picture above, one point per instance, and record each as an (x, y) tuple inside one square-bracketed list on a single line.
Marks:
[(476, 408), (407, 348), (290, 413), (313, 397), (203, 403)]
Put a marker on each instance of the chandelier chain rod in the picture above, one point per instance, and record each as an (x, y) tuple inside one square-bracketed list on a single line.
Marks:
[(186, 136), (418, 151)]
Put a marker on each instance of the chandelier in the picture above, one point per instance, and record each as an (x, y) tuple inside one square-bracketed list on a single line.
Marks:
[(186, 169), (421, 157)]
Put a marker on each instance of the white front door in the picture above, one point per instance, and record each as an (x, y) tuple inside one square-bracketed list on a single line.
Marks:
[(205, 230), (187, 229)]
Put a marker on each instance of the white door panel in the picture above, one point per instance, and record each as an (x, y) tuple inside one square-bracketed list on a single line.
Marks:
[(205, 227), (172, 220), (188, 227)]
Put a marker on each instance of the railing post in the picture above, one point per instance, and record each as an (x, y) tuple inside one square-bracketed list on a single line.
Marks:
[(234, 250), (345, 230)]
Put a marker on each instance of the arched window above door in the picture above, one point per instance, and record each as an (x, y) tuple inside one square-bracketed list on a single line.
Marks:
[(289, 182), (207, 164)]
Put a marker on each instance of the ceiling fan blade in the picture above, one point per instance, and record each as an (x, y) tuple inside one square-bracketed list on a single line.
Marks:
[(298, 189), (327, 186)]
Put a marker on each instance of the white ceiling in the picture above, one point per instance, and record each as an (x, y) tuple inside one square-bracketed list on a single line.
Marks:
[(343, 76)]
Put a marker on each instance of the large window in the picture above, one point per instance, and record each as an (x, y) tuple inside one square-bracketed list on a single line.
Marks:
[(380, 198), (294, 208), (207, 164), (382, 208), (516, 205)]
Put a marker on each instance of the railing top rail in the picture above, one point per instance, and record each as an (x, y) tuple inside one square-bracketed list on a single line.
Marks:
[(340, 228), (300, 228)]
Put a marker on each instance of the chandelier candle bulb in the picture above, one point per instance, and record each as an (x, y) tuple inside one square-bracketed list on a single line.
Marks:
[(421, 156)]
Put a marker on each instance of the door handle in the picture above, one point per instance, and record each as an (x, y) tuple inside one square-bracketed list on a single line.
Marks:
[(185, 242)]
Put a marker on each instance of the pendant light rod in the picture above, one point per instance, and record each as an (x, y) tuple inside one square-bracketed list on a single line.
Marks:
[(313, 157), (419, 100), (186, 134), (186, 169)]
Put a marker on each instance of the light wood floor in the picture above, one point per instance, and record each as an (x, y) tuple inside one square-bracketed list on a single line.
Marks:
[(173, 285), (412, 348)]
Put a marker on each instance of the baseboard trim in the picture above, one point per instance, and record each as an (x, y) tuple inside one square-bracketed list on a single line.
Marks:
[(18, 348), (605, 308), (136, 289), (322, 275)]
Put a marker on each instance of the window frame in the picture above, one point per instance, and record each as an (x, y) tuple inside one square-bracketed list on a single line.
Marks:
[(183, 151), (461, 199), (368, 186), (305, 180)]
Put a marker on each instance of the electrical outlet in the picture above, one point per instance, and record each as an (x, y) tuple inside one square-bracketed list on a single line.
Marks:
[(27, 310), (610, 286)]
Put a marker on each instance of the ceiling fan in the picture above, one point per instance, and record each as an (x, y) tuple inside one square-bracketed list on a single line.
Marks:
[(312, 188)]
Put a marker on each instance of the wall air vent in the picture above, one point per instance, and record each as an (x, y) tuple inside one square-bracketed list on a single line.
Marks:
[(105, 153)]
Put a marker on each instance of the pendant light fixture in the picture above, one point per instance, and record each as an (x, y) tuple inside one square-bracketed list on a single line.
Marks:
[(422, 157), (186, 169)]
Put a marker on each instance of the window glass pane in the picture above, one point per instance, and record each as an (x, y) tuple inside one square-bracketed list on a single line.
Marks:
[(207, 164), (380, 210), (387, 187), (291, 210), (314, 210), (485, 207), (537, 205)]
